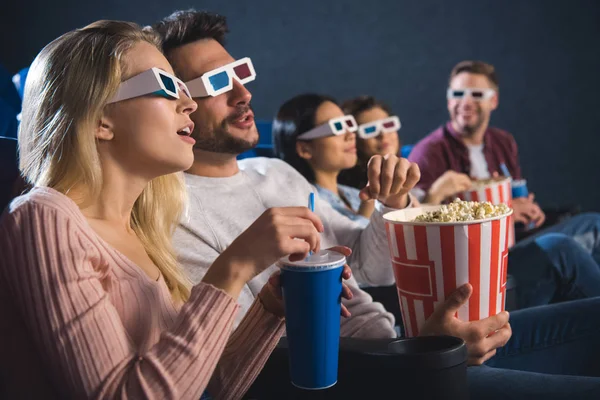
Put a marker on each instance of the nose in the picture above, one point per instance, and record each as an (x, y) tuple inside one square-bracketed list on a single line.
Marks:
[(350, 136), (466, 101), (186, 105), (239, 95)]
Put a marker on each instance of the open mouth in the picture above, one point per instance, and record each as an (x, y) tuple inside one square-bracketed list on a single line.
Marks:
[(245, 118), (185, 133), (187, 130), (244, 121)]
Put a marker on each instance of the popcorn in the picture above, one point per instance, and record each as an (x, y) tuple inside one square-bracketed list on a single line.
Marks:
[(461, 211)]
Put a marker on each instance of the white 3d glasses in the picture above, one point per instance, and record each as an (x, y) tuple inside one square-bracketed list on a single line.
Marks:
[(475, 93), (152, 81), (335, 126), (220, 80), (375, 128)]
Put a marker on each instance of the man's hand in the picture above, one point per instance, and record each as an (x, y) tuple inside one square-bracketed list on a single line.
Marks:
[(390, 180), (449, 184), (527, 211), (482, 337)]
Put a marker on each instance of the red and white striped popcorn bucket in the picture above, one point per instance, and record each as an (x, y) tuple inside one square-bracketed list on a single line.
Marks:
[(496, 192), (432, 259)]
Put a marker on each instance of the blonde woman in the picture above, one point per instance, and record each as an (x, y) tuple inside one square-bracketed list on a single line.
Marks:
[(92, 301)]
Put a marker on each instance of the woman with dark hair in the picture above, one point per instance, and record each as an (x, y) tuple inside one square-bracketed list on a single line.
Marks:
[(378, 134), (312, 134)]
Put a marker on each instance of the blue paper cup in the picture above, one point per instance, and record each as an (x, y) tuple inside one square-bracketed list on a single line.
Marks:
[(519, 188), (312, 290)]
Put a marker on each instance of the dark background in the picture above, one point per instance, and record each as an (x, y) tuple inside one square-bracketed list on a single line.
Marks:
[(547, 54)]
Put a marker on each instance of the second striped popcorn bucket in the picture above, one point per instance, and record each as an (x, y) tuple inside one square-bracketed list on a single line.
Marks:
[(496, 192), (432, 259)]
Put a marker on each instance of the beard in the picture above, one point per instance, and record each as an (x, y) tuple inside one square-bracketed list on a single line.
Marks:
[(470, 129), (220, 140)]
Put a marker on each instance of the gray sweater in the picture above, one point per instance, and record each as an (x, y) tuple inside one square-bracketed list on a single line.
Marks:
[(220, 209)]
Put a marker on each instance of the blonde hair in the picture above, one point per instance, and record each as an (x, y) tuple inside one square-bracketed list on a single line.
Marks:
[(68, 86)]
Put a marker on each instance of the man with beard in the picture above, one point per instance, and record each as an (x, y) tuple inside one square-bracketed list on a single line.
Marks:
[(467, 146), (226, 197)]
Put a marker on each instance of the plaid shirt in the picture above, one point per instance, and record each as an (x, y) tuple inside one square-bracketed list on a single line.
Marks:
[(443, 150)]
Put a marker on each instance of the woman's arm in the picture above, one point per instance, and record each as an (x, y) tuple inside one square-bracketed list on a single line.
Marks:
[(246, 353), (53, 271)]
